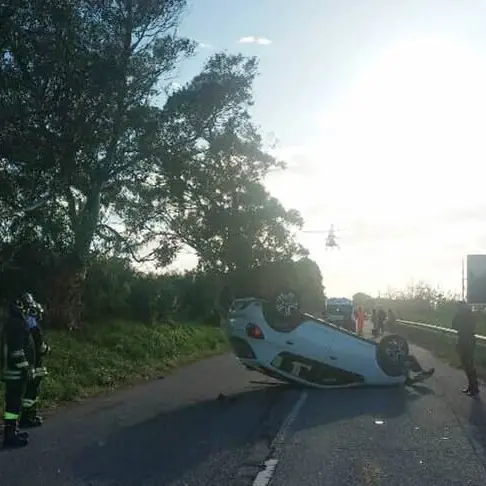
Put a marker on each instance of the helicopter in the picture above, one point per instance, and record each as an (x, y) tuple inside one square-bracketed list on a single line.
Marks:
[(331, 238)]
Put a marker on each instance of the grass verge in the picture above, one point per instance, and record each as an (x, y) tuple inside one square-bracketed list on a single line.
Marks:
[(120, 353)]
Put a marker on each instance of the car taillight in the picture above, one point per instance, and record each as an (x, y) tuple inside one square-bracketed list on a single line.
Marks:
[(253, 331)]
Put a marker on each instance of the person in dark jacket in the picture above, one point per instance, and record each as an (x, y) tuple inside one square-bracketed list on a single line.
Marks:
[(374, 321), (392, 318), (21, 349), (14, 372), (381, 316), (464, 323), (38, 349)]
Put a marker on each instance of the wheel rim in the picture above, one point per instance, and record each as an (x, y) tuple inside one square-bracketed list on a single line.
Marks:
[(396, 350), (286, 304)]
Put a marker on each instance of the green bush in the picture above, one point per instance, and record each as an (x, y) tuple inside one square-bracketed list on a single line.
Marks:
[(114, 289), (109, 287)]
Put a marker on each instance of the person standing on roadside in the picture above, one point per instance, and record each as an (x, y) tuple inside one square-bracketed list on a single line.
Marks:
[(22, 347), (464, 323), (360, 319), (374, 321), (38, 350), (392, 318), (14, 372), (381, 320)]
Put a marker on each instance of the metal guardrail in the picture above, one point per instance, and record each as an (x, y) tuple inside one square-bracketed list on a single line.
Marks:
[(480, 340)]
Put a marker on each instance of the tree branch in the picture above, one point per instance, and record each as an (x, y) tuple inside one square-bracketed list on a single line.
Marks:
[(71, 206), (122, 239)]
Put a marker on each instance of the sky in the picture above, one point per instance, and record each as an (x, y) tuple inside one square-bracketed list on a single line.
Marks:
[(379, 110)]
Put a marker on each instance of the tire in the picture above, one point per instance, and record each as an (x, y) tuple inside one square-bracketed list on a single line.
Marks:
[(282, 311), (391, 353), (286, 304)]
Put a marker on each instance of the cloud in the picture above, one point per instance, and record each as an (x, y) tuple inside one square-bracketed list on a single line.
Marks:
[(462, 213), (204, 45), (251, 39)]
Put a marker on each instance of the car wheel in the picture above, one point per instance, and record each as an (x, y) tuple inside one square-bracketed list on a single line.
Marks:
[(282, 311), (392, 352)]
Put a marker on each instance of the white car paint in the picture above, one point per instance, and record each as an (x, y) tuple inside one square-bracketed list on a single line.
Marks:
[(314, 339)]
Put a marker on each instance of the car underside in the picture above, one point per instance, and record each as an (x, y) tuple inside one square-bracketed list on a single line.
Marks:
[(304, 349)]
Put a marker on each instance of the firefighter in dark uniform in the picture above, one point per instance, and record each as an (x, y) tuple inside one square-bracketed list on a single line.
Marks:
[(464, 323), (37, 349), (20, 353)]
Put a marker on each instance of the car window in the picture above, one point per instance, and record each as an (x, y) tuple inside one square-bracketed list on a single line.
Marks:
[(339, 310)]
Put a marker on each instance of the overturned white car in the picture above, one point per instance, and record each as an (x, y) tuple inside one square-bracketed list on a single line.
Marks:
[(276, 339)]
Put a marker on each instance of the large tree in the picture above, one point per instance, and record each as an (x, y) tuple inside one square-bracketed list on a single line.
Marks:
[(89, 161), (77, 80), (206, 190)]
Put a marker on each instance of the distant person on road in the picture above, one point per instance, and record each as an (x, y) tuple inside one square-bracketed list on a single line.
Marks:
[(374, 321), (360, 319), (391, 318), (464, 323), (381, 316)]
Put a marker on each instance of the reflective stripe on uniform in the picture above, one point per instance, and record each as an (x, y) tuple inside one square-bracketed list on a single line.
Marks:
[(26, 403), (9, 375), (22, 364), (11, 416), (11, 378), (39, 372), (11, 372), (18, 354)]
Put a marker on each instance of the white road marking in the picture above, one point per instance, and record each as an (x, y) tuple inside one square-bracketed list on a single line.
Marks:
[(280, 437), (264, 477)]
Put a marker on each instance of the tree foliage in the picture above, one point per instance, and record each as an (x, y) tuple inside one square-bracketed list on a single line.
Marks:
[(421, 302), (78, 78), (210, 196), (362, 299)]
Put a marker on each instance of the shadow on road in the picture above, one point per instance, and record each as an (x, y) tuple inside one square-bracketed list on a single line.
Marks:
[(477, 421), (171, 446)]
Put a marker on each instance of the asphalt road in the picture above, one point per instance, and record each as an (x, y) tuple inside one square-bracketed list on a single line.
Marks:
[(176, 432)]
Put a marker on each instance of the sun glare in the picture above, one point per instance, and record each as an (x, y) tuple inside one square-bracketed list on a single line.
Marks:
[(414, 120)]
